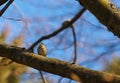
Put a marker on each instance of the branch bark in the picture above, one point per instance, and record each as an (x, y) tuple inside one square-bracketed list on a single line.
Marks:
[(55, 66), (106, 12)]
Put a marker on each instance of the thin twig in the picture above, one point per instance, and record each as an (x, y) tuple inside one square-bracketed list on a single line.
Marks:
[(75, 44), (6, 6), (74, 19), (60, 80), (74, 36), (13, 19), (43, 78)]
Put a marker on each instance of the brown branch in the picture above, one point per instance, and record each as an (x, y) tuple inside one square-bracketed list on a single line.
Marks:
[(75, 44), (74, 37), (106, 12), (42, 77), (74, 19), (55, 66)]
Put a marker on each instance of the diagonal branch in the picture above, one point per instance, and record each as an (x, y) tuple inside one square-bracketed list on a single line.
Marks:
[(74, 19), (106, 12), (56, 66), (6, 6)]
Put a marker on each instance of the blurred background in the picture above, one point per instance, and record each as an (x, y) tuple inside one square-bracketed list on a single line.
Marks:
[(25, 21)]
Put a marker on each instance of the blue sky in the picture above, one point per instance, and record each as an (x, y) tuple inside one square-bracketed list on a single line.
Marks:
[(42, 17), (42, 14)]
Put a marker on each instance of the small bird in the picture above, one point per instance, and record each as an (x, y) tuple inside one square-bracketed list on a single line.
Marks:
[(2, 2), (42, 50)]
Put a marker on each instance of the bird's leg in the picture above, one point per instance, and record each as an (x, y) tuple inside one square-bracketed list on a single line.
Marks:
[(5, 7)]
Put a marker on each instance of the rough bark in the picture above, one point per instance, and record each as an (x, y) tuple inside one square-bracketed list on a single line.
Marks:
[(105, 12), (55, 66)]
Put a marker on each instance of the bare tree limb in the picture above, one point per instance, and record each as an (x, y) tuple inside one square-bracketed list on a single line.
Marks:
[(106, 12), (56, 66)]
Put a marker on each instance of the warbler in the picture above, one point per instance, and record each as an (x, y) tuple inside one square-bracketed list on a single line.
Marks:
[(42, 49)]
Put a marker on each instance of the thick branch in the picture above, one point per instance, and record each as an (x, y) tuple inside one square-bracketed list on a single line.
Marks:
[(106, 13), (55, 66)]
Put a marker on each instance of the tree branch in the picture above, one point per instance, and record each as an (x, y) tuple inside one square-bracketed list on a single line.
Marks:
[(106, 13), (55, 66), (74, 19), (6, 6)]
